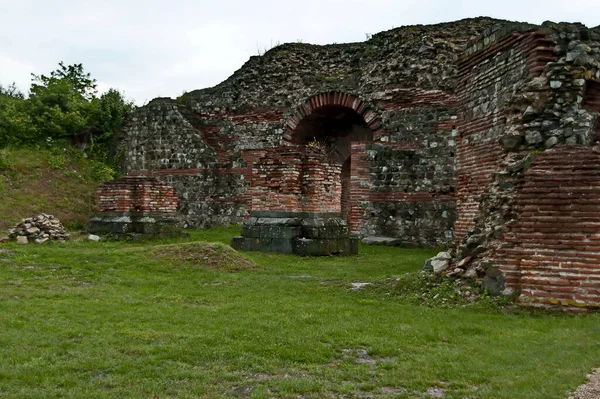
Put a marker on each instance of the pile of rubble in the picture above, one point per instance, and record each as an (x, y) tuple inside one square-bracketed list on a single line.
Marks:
[(40, 228)]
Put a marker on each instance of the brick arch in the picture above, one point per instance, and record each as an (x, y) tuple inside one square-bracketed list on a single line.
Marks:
[(334, 98)]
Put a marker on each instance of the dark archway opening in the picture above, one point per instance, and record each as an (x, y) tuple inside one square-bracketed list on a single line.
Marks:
[(334, 128)]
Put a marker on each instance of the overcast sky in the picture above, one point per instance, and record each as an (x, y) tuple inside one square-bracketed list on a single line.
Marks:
[(151, 48)]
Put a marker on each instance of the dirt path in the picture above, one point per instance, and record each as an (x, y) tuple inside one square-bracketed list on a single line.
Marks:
[(591, 389)]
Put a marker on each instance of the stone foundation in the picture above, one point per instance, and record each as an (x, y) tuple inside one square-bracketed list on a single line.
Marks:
[(301, 233), (135, 225), (136, 207)]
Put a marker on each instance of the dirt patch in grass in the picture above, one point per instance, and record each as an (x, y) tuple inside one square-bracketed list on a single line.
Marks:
[(591, 389), (215, 256), (360, 355)]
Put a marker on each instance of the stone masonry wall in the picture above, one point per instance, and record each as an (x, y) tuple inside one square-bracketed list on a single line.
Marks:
[(165, 140), (488, 123), (136, 207), (489, 78), (412, 197), (321, 182), (276, 181), (526, 167), (420, 57), (404, 83)]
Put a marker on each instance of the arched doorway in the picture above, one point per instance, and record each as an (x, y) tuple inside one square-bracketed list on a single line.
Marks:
[(333, 121)]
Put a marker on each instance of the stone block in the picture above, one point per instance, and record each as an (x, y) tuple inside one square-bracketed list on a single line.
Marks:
[(280, 245), (280, 231), (249, 231), (139, 224), (353, 245), (304, 233), (93, 238), (325, 232), (325, 246), (240, 243), (376, 240), (494, 284), (438, 264)]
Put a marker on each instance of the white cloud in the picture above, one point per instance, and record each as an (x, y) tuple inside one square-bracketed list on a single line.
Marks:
[(155, 48), (15, 71)]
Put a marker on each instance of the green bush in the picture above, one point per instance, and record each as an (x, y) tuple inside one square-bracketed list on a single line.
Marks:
[(101, 172), (57, 161), (5, 161), (63, 107), (16, 124)]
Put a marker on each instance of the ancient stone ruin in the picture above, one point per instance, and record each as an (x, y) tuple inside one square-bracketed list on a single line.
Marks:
[(528, 164), (478, 134), (136, 207), (297, 204)]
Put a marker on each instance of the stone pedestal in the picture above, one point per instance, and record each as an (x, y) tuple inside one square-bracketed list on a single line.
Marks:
[(136, 207), (135, 225), (302, 233)]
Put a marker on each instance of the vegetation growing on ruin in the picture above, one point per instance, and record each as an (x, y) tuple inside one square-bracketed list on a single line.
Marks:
[(113, 319)]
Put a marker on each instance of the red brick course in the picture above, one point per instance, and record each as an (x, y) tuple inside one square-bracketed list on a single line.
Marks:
[(334, 98), (137, 194), (478, 150), (295, 179), (552, 253)]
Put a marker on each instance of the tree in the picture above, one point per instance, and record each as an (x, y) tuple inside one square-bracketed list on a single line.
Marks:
[(111, 110), (16, 126), (11, 91), (58, 109), (63, 106), (81, 82)]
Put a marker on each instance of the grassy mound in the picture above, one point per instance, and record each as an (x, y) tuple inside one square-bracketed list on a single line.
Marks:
[(215, 256), (60, 182)]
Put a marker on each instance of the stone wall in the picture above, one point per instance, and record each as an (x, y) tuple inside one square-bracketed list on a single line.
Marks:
[(489, 77), (481, 130), (445, 120), (397, 191), (400, 85), (526, 167), (552, 252), (296, 195), (167, 141)]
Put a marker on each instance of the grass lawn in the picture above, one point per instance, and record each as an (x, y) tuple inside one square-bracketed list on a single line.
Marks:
[(40, 180), (123, 320)]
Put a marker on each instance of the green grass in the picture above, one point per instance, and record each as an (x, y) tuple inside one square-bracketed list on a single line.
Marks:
[(138, 320), (55, 181)]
